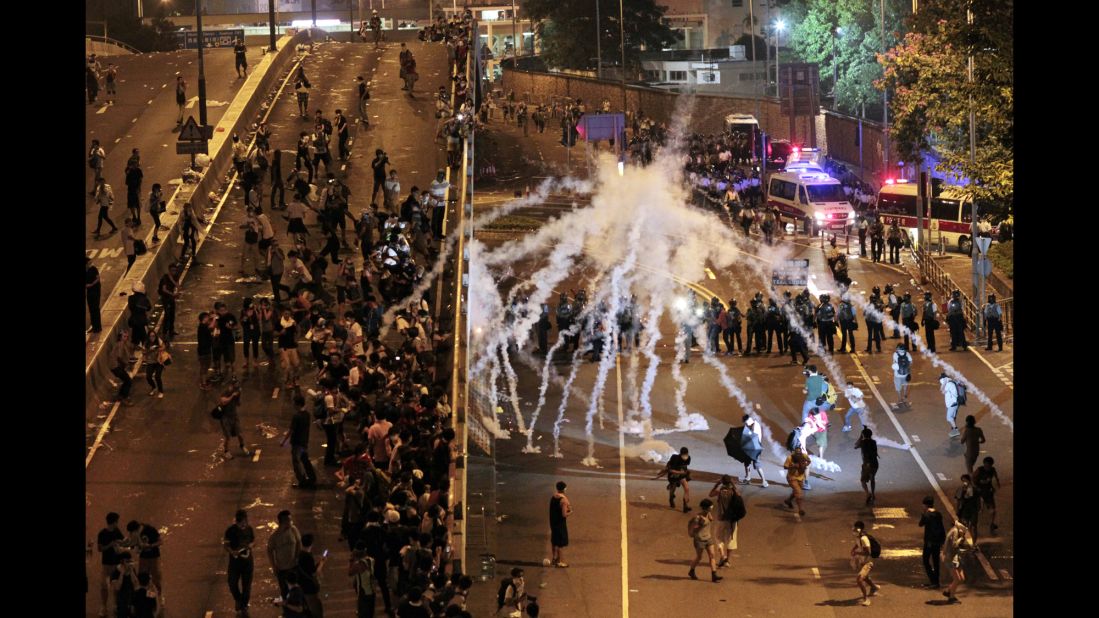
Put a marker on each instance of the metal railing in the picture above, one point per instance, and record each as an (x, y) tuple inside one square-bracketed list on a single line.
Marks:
[(932, 274), (110, 41)]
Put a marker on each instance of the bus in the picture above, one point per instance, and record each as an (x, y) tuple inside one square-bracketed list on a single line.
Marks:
[(949, 215)]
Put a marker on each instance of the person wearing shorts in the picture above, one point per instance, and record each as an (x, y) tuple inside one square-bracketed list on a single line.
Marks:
[(957, 541), (240, 55), (863, 563), (230, 419), (679, 475), (901, 380), (559, 510), (702, 537), (869, 448), (983, 481)]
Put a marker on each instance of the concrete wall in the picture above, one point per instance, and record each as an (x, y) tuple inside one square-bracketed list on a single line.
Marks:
[(149, 268), (709, 112), (100, 48)]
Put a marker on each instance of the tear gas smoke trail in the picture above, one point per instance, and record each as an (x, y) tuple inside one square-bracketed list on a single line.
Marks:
[(536, 364), (652, 335), (632, 385), (565, 402), (936, 360), (609, 355), (681, 341), (493, 423), (513, 389), (538, 195)]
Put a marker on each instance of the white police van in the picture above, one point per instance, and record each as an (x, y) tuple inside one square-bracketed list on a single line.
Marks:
[(804, 191)]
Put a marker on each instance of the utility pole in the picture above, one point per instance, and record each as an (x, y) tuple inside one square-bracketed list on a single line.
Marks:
[(978, 255), (598, 44), (885, 103), (201, 67), (271, 19), (314, 9), (622, 36)]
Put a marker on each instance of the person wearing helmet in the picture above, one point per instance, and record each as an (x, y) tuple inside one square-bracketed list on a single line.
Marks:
[(731, 331), (826, 323), (894, 307), (994, 323), (564, 318), (908, 317), (755, 328), (955, 321), (930, 320), (873, 316), (848, 324)]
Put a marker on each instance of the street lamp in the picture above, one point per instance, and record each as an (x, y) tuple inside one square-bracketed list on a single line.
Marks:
[(837, 31), (201, 67), (779, 27)]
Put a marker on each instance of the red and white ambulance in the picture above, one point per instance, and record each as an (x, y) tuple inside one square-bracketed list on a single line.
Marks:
[(949, 215)]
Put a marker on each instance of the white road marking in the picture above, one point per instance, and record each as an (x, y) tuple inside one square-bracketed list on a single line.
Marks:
[(890, 512), (275, 393), (622, 493), (710, 274), (915, 438), (1005, 575), (117, 139), (256, 454), (209, 613), (134, 120), (946, 503), (102, 109), (995, 370), (816, 572), (191, 102), (942, 477)]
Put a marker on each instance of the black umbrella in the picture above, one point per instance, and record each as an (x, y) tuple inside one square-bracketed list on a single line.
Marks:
[(743, 445)]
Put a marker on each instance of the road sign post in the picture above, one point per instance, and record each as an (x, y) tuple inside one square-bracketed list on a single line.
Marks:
[(790, 272), (982, 268), (192, 140)]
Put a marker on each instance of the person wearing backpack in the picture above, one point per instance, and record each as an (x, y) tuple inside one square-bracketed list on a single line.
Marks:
[(361, 572), (862, 559), (902, 374), (930, 320), (701, 530), (854, 396), (908, 318), (953, 396), (511, 595), (814, 388), (730, 509)]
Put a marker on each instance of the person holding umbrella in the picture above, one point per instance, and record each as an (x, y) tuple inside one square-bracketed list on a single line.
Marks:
[(744, 445)]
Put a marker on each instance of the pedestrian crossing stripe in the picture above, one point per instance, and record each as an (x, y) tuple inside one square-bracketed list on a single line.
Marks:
[(890, 512)]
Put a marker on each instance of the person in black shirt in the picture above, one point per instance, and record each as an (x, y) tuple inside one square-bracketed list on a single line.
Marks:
[(227, 324), (239, 52), (294, 604), (298, 435), (277, 181), (679, 475), (145, 597), (378, 164), (342, 134), (934, 534), (109, 541), (93, 288), (146, 540), (309, 568), (364, 96), (169, 292), (205, 339), (414, 606), (238, 541), (139, 306), (869, 448), (124, 582)]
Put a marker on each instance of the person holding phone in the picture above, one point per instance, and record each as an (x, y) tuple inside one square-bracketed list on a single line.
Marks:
[(309, 570)]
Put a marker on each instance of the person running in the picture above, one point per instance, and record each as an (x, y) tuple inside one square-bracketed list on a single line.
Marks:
[(972, 438), (863, 562), (559, 510), (240, 58), (957, 542), (237, 541), (679, 475), (868, 446), (701, 532), (796, 465), (934, 534), (229, 417), (750, 424), (855, 397), (982, 480), (949, 389), (902, 374), (730, 507)]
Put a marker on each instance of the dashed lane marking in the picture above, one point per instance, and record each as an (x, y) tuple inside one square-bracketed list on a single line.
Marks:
[(995, 370), (942, 477), (947, 505), (710, 274), (890, 512), (256, 454), (149, 102), (915, 438), (275, 393), (816, 572), (134, 120), (117, 139), (102, 109)]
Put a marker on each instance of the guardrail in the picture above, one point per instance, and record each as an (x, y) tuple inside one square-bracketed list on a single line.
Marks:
[(149, 268), (104, 39), (934, 275)]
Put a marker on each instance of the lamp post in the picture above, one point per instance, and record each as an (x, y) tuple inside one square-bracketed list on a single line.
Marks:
[(622, 43), (978, 254), (598, 44), (779, 27), (885, 104), (837, 31), (271, 19), (201, 67)]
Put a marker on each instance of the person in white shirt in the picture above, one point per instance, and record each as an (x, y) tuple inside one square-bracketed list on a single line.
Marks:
[(902, 374), (750, 424), (858, 406), (354, 334), (949, 389)]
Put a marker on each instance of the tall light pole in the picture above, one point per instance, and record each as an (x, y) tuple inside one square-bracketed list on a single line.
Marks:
[(622, 42), (885, 104), (598, 43), (271, 19), (514, 29), (201, 67), (779, 27), (313, 6), (978, 274), (835, 65)]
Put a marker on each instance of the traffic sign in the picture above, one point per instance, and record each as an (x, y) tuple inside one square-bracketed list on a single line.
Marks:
[(790, 272), (192, 148), (983, 243), (191, 132), (985, 265)]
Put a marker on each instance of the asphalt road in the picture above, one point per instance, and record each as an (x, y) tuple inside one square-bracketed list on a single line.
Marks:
[(161, 462), (782, 567), (143, 117)]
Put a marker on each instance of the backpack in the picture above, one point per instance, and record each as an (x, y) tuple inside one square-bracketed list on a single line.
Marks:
[(503, 592), (691, 526), (736, 509), (904, 364), (962, 391), (831, 396), (875, 547), (92, 161), (139, 247), (792, 440)]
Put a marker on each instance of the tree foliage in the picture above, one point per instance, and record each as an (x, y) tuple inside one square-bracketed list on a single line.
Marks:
[(567, 30), (811, 39), (927, 73)]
